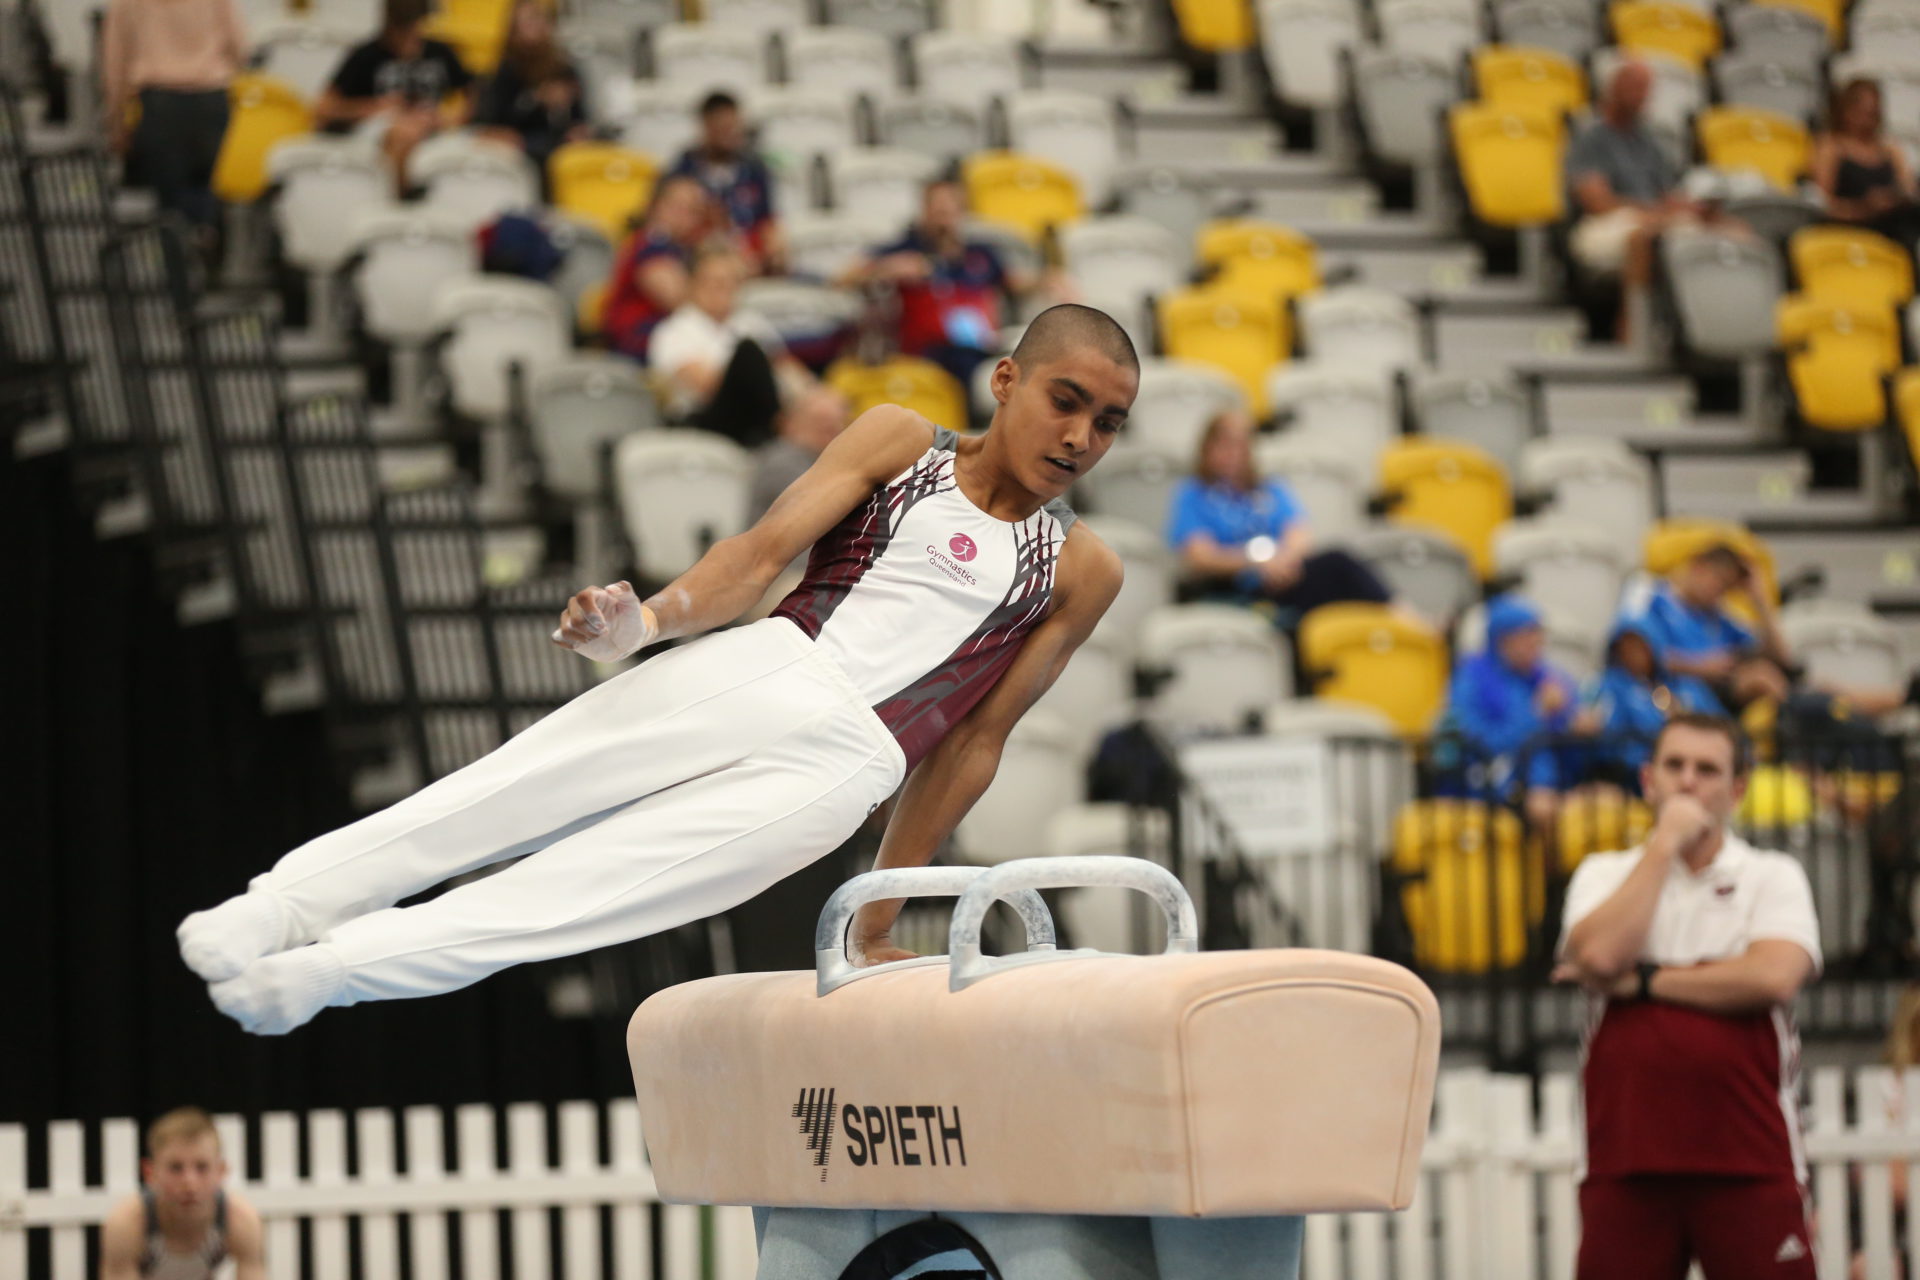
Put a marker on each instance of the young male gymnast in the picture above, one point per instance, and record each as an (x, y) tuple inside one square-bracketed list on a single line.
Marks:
[(947, 587), (182, 1225)]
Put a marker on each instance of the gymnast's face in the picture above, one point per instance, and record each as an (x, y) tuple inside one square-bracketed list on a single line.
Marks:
[(1059, 418), (186, 1173)]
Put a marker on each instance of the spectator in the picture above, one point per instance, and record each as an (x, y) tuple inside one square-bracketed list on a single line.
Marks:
[(1621, 187), (722, 367), (1862, 175), (1694, 946), (1246, 537), (802, 430), (1694, 636), (650, 272), (1508, 702), (396, 84), (176, 58), (738, 179), (953, 291), (1632, 699), (532, 101), (182, 1223)]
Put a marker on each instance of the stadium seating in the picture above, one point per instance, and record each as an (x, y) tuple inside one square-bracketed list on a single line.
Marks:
[(1574, 573), (604, 184), (1838, 358), (762, 17), (579, 406), (1259, 257), (1511, 163), (1851, 267), (302, 55), (1398, 99), (1724, 289), (1448, 486), (1566, 27), (1743, 138), (1469, 894), (1150, 571), (680, 491), (1378, 657), (1496, 416), (919, 385), (1670, 543), (1594, 482), (1328, 482), (1843, 645), (1135, 483), (1241, 333), (1765, 83), (700, 58), (1528, 78), (1220, 664), (1020, 191), (1347, 407), (1301, 42), (264, 112), (1676, 30), (1784, 33), (1602, 822), (1425, 569), (1358, 327), (850, 59), (968, 67), (879, 186)]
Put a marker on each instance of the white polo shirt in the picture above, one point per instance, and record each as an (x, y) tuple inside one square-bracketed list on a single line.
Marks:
[(691, 336), (1743, 895), (1670, 1089)]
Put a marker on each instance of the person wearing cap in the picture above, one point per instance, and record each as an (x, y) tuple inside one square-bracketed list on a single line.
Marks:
[(1506, 702)]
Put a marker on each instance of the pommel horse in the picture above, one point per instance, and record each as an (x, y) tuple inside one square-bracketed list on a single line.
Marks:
[(1082, 1115)]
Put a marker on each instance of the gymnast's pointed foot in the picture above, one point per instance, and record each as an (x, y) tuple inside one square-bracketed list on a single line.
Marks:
[(277, 993), (219, 943)]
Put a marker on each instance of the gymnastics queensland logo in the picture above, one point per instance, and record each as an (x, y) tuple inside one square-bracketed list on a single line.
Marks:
[(960, 548), (899, 1135)]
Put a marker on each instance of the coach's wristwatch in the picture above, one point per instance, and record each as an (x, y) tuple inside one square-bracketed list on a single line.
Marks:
[(1647, 969)]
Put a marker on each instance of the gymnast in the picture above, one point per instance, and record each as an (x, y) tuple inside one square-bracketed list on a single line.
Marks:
[(947, 587)]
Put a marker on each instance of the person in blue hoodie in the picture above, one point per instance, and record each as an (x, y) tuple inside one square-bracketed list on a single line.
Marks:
[(1505, 702), (1633, 697)]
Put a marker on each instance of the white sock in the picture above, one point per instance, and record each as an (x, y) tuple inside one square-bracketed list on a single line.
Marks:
[(277, 993), (219, 943)]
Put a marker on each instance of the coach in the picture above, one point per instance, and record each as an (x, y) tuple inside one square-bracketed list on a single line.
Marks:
[(1694, 946)]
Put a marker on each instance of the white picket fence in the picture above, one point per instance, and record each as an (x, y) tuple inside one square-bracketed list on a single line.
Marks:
[(1497, 1200)]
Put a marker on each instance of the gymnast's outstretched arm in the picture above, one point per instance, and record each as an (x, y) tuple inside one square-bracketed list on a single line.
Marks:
[(956, 772), (608, 623)]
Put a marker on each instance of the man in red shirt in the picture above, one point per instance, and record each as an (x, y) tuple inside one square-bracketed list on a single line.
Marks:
[(1694, 947)]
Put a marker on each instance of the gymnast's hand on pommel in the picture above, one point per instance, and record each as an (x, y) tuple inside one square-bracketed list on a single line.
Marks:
[(870, 936), (606, 623)]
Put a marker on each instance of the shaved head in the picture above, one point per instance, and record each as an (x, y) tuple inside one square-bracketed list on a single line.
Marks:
[(1070, 327)]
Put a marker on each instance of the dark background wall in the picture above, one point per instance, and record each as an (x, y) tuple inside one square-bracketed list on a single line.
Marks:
[(142, 781)]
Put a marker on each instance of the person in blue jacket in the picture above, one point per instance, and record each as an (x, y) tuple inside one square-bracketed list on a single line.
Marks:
[(1246, 537), (1633, 697), (1507, 702)]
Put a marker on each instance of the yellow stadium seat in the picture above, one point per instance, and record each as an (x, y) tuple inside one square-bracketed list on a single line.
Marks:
[(1601, 822), (590, 312), (603, 184), (477, 30), (1747, 138), (1838, 358), (265, 111), (1674, 541), (1776, 797), (1851, 266), (1379, 656), (1511, 162), (1906, 407), (1215, 26), (919, 385), (1453, 487), (1025, 193), (1241, 332), (1677, 30), (1516, 76), (1261, 257), (1469, 893)]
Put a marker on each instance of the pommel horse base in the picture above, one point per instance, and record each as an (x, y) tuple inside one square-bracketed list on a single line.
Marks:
[(1083, 1115)]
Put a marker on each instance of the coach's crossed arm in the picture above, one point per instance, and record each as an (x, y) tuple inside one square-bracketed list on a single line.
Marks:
[(956, 772)]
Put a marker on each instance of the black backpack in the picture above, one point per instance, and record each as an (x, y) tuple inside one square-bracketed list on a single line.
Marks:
[(955, 1255)]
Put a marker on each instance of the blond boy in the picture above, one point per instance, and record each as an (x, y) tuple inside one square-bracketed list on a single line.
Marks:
[(182, 1225)]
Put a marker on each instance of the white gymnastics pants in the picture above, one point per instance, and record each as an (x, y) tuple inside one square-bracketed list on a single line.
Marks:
[(673, 791)]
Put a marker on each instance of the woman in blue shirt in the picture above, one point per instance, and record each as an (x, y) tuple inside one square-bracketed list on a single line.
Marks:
[(1247, 537)]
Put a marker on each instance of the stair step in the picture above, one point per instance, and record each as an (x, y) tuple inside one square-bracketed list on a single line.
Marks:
[(1492, 339), (1723, 485), (1862, 565), (1648, 409)]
